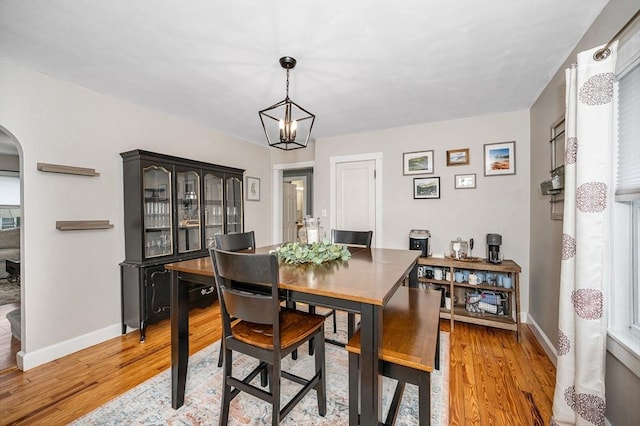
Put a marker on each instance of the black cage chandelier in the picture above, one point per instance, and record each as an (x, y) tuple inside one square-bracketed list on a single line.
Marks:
[(286, 124)]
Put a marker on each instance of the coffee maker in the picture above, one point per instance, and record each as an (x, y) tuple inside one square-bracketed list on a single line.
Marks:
[(419, 240), (493, 248)]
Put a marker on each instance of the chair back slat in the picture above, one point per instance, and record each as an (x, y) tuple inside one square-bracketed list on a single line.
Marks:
[(248, 306), (247, 285), (244, 241), (359, 238)]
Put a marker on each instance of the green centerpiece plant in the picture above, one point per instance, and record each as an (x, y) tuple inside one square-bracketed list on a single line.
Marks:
[(296, 253)]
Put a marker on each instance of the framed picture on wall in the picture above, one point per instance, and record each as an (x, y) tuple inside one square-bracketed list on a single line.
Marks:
[(417, 163), (458, 157), (500, 158), (465, 181), (253, 189), (426, 188)]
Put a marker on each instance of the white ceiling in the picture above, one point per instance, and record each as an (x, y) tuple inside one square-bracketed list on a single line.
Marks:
[(362, 65)]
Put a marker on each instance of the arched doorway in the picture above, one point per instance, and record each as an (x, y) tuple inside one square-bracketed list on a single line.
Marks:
[(10, 250)]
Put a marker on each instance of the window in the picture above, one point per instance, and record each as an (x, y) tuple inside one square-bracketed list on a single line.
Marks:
[(635, 266), (624, 307), (628, 172), (9, 199)]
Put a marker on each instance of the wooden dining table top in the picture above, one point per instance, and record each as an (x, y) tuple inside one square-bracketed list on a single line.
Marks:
[(367, 277)]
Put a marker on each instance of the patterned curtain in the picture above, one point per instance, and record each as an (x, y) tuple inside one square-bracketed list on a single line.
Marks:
[(579, 397)]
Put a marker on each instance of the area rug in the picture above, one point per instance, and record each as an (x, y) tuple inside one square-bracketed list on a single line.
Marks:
[(9, 292), (150, 402)]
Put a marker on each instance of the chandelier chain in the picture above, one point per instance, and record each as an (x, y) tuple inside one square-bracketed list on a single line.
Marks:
[(287, 83)]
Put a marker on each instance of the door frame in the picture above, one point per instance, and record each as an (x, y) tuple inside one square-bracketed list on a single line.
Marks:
[(306, 175), (333, 161), (276, 200)]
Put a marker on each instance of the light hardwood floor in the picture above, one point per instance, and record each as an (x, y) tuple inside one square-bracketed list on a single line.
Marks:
[(494, 380)]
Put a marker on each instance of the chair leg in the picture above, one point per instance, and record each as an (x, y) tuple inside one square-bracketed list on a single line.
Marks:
[(291, 305), (321, 387), (221, 354), (335, 322), (226, 389), (264, 376), (351, 325), (274, 386), (312, 310)]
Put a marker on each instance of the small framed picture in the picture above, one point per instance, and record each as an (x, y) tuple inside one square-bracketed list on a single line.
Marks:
[(458, 157), (424, 188), (253, 189), (417, 163), (500, 158), (465, 181)]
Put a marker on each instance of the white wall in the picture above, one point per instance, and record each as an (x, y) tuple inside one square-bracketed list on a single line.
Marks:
[(499, 204), (71, 281), (279, 156)]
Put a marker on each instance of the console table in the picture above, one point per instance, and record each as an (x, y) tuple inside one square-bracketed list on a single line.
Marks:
[(501, 308)]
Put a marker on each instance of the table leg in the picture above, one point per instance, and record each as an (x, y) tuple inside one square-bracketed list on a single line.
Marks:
[(370, 368), (179, 339)]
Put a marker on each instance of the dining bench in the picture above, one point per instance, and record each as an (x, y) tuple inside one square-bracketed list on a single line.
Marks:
[(410, 349)]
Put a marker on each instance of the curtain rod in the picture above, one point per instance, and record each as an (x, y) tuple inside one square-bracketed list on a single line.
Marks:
[(605, 52)]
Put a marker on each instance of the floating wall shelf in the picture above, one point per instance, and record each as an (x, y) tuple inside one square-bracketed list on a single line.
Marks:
[(69, 170), (79, 225)]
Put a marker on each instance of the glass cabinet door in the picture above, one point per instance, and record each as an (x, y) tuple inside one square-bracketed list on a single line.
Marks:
[(213, 208), (158, 240), (234, 205), (188, 208)]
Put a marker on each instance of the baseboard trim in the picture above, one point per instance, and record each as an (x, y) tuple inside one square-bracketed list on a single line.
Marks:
[(29, 360), (546, 344)]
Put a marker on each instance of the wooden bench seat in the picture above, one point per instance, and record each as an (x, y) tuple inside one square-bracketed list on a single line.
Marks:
[(410, 348)]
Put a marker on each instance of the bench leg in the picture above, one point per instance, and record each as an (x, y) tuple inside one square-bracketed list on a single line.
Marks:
[(424, 399), (437, 360), (354, 389), (394, 408)]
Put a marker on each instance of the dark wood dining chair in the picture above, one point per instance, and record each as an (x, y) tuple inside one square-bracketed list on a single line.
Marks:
[(243, 241), (264, 330), (352, 238), (349, 238)]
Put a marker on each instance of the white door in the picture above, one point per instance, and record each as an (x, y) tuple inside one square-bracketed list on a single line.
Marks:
[(356, 196), (289, 228)]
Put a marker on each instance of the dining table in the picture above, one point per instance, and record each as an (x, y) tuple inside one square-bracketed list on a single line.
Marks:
[(362, 284)]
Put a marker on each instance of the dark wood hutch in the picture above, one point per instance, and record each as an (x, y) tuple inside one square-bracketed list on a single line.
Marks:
[(173, 207)]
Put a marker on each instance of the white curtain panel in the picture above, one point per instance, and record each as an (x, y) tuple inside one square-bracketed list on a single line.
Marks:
[(579, 391)]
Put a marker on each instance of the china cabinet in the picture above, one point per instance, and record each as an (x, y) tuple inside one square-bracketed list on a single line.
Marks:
[(475, 291), (173, 207)]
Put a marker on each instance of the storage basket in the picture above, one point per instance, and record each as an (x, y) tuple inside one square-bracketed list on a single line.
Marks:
[(486, 302)]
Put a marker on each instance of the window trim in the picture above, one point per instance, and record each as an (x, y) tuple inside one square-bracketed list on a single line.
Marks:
[(624, 306)]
